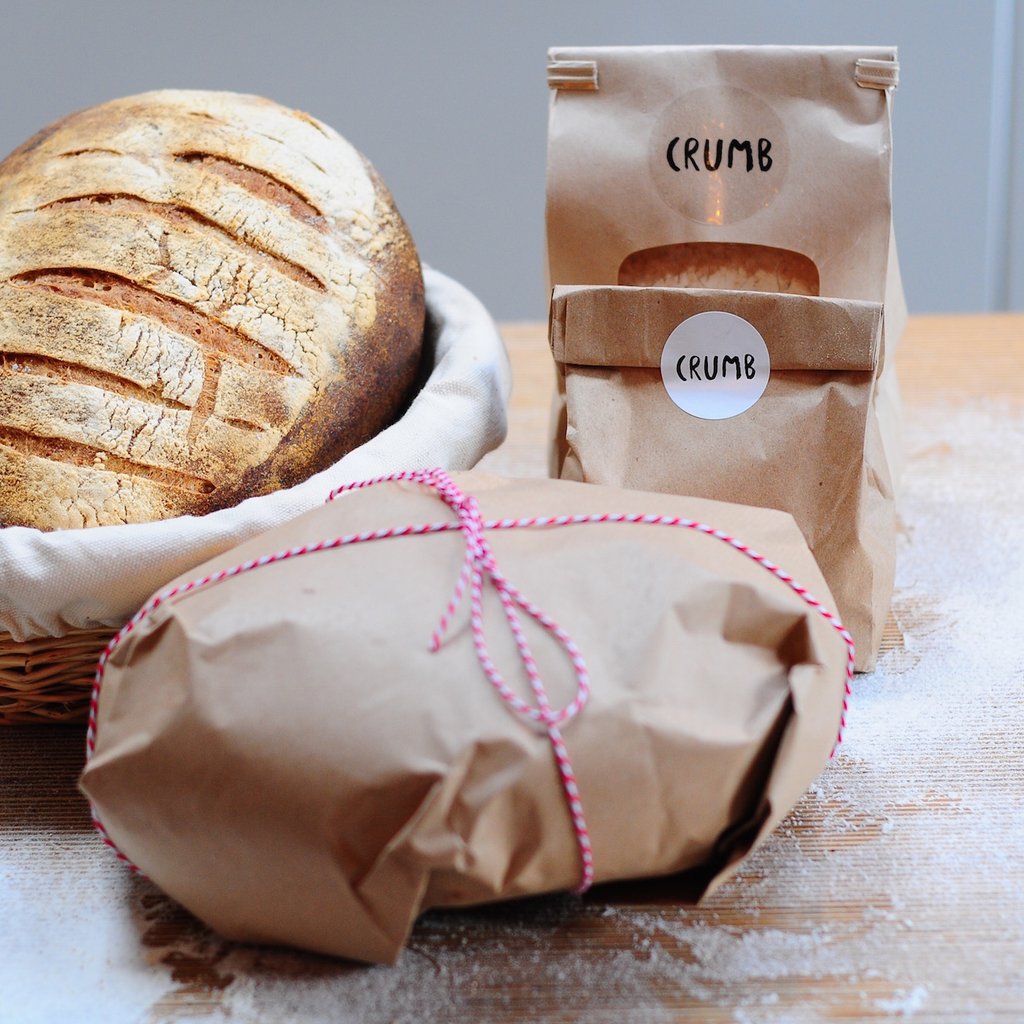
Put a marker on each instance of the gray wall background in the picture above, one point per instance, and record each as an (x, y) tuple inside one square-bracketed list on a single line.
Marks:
[(449, 101)]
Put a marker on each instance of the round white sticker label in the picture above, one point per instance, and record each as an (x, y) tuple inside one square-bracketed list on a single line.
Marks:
[(715, 365), (718, 155)]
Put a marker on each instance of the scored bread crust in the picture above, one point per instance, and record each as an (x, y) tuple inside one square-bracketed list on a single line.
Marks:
[(203, 296)]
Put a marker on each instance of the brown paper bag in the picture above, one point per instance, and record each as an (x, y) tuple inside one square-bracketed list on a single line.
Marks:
[(751, 169), (284, 753), (810, 444)]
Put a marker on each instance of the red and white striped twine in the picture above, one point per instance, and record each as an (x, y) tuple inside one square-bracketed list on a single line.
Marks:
[(478, 564)]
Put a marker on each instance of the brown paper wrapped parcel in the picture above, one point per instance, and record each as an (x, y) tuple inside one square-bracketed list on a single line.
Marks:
[(284, 754)]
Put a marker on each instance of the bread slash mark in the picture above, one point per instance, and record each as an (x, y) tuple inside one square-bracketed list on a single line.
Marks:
[(207, 399), (301, 115), (67, 372), (261, 184), (91, 149), (71, 453), (186, 216), (213, 336)]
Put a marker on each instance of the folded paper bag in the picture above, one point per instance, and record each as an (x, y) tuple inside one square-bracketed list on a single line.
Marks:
[(282, 746), (810, 444)]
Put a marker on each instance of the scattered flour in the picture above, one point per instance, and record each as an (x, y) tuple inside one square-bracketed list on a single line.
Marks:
[(897, 883), (904, 1005)]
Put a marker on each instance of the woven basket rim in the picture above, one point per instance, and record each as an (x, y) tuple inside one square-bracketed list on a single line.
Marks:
[(49, 678)]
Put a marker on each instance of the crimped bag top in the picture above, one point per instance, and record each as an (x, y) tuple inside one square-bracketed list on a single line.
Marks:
[(203, 296), (745, 167)]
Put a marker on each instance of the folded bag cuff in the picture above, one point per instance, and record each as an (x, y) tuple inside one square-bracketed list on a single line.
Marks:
[(801, 332)]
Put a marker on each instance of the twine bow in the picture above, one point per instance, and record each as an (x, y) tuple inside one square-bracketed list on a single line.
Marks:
[(479, 564)]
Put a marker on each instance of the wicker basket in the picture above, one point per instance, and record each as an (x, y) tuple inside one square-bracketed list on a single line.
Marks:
[(455, 420), (49, 679)]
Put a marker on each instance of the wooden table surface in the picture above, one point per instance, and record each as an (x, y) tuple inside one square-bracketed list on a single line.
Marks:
[(894, 891)]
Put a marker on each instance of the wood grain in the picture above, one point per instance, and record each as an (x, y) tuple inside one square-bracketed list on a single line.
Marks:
[(894, 891)]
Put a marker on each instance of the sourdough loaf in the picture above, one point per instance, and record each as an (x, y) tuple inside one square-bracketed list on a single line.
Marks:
[(203, 296)]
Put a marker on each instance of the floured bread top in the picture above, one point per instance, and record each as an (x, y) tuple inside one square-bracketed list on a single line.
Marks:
[(203, 296)]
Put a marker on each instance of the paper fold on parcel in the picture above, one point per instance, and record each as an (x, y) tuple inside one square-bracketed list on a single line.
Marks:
[(284, 754)]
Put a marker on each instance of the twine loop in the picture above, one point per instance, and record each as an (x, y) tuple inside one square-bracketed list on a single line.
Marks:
[(479, 565)]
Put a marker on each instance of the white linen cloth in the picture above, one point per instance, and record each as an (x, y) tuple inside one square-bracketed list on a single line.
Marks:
[(96, 577)]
